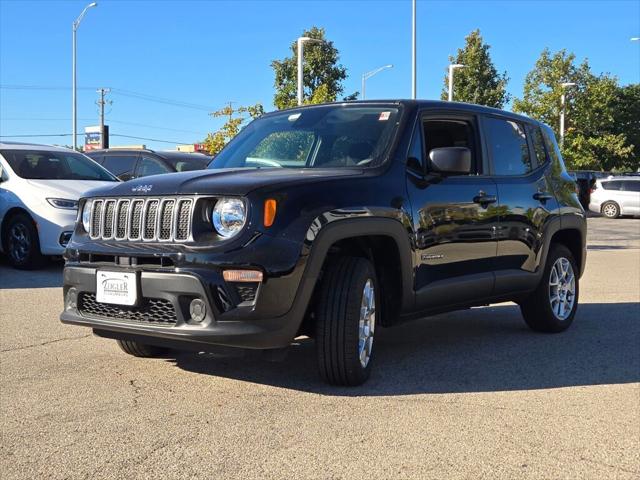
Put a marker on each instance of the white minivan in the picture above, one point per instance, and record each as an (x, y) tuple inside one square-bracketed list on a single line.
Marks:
[(39, 190), (615, 196)]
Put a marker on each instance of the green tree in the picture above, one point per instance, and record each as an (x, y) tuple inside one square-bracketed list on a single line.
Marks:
[(322, 74), (479, 82), (627, 118), (592, 139), (235, 119)]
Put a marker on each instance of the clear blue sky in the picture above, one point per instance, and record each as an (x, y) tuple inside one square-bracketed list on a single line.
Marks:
[(211, 52)]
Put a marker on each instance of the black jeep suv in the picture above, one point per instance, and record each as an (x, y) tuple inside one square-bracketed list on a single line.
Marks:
[(332, 221)]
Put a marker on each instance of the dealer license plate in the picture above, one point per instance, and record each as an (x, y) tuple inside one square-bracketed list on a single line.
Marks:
[(116, 287)]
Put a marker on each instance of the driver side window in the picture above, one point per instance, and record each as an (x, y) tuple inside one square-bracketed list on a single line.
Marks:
[(450, 133)]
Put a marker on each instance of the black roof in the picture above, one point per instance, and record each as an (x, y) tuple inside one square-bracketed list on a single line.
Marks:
[(430, 104)]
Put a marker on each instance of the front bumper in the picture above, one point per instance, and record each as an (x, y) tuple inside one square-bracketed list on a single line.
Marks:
[(236, 324)]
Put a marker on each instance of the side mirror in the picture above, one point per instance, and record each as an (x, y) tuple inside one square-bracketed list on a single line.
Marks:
[(450, 160)]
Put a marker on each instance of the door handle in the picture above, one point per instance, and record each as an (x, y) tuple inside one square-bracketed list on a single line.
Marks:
[(542, 196), (484, 199)]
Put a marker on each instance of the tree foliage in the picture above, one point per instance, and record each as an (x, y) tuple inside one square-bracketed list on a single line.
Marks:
[(322, 74), (478, 82), (594, 138), (236, 118)]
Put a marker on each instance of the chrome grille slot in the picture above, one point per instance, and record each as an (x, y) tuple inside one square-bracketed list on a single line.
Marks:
[(96, 219), (121, 219), (107, 224), (183, 221), (166, 217), (135, 221), (150, 218), (142, 219)]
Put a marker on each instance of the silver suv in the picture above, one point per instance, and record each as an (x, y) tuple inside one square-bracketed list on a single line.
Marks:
[(615, 196)]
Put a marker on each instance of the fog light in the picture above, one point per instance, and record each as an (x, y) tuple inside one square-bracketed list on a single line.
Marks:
[(197, 310), (71, 300), (242, 275)]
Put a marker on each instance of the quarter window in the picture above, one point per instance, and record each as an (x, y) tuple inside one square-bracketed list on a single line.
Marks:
[(508, 146), (615, 185), (538, 144)]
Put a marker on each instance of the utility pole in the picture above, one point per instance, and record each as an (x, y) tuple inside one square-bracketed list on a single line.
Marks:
[(101, 103)]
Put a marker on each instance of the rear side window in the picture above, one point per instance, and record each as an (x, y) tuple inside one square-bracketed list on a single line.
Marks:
[(151, 166), (631, 186), (120, 165), (508, 146), (538, 144), (615, 185)]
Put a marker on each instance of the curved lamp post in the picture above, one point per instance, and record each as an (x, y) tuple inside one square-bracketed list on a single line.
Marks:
[(368, 75), (74, 113)]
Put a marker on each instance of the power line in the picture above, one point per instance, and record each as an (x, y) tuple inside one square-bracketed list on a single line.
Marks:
[(33, 135), (108, 120), (119, 91)]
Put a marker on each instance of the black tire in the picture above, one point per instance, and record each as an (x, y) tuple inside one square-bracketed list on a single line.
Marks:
[(537, 310), (21, 243), (141, 350), (337, 323), (610, 210)]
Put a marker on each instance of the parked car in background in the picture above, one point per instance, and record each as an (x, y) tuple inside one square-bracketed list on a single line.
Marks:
[(135, 163), (585, 179), (331, 221), (39, 190), (615, 196)]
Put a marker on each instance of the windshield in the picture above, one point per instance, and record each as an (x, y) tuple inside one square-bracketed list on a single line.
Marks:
[(319, 137), (55, 165)]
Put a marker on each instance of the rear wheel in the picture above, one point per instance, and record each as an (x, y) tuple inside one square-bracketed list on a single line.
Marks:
[(22, 244), (346, 319), (610, 210), (138, 349), (553, 305)]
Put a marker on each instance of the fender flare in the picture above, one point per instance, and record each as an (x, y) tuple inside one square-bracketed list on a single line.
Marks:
[(319, 243)]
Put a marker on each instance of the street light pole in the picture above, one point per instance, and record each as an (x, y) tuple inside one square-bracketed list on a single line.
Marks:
[(562, 102), (301, 41), (366, 76), (452, 67), (413, 51), (74, 113)]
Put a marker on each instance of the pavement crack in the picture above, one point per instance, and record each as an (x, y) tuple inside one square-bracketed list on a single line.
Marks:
[(137, 389), (43, 343)]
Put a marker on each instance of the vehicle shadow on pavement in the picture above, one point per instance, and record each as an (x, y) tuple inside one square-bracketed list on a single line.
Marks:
[(48, 276), (479, 350)]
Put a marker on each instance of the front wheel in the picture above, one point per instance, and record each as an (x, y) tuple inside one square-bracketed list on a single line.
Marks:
[(553, 305), (142, 350), (346, 318), (22, 244)]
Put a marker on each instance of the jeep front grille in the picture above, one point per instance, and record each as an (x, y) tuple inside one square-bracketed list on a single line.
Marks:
[(141, 219)]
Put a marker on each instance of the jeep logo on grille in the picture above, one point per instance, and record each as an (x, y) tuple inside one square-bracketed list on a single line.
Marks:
[(142, 188)]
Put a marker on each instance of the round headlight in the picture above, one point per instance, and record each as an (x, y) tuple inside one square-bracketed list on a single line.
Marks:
[(229, 216), (86, 215)]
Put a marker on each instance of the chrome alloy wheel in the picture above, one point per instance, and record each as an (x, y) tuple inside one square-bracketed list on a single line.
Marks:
[(610, 210), (562, 288), (367, 323), (19, 242)]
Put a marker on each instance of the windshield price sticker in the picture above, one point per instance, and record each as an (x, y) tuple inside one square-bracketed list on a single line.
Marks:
[(384, 116)]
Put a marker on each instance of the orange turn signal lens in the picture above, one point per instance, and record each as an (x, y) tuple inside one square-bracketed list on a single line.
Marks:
[(269, 212), (242, 276)]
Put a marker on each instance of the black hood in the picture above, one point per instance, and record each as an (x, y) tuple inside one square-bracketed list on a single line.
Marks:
[(227, 181)]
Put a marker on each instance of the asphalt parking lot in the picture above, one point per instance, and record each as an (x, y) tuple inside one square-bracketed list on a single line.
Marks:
[(471, 394)]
